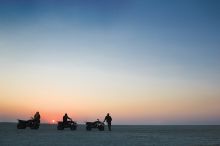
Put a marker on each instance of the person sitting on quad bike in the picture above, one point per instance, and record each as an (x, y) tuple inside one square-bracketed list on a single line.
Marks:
[(65, 118), (33, 123), (66, 123)]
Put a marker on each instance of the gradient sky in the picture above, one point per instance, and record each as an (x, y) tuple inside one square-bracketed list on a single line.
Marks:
[(143, 61)]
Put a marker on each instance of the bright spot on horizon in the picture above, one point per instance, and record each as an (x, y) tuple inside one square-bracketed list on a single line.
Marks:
[(53, 121)]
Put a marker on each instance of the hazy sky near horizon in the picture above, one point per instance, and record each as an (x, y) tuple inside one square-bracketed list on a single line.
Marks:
[(144, 61)]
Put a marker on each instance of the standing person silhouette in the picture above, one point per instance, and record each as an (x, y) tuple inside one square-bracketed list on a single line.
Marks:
[(108, 119)]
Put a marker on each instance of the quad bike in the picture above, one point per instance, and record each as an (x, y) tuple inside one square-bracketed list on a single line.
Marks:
[(33, 124), (69, 124), (97, 124)]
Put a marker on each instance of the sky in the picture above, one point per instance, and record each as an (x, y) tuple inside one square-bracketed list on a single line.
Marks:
[(142, 61)]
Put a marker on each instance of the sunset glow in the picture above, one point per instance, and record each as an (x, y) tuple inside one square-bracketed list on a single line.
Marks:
[(122, 58)]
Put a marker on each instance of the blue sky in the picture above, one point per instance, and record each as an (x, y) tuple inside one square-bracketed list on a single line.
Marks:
[(145, 42), (183, 31)]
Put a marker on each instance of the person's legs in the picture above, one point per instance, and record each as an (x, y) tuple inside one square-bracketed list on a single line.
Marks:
[(109, 126)]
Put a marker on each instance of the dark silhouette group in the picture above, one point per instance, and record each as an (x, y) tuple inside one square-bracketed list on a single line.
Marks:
[(67, 119)]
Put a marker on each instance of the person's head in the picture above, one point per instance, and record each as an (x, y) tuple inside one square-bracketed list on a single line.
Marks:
[(65, 114), (37, 112), (107, 114)]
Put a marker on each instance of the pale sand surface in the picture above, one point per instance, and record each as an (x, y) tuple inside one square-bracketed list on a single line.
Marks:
[(48, 135)]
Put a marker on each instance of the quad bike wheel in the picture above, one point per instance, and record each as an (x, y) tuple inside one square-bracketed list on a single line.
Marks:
[(73, 127), (88, 128), (101, 128), (60, 127), (34, 126), (21, 126)]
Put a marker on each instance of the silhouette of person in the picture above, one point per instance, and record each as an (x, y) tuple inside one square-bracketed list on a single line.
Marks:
[(65, 118), (108, 119), (37, 117)]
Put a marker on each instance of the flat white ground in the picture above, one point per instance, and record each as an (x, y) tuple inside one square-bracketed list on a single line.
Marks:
[(48, 135)]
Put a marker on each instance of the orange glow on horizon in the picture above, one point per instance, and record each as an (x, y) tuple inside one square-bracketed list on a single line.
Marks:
[(124, 104)]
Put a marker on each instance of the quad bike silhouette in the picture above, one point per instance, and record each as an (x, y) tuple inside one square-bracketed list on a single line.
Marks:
[(33, 124), (97, 124), (69, 124)]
